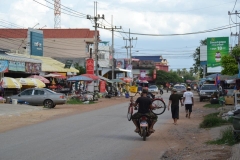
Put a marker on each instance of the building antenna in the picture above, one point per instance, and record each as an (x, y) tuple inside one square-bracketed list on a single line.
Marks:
[(57, 14)]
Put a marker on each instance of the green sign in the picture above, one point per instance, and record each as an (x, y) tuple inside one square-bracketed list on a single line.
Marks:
[(68, 63), (217, 47)]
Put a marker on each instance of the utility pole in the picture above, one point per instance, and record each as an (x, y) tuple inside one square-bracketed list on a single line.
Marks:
[(130, 46), (237, 34), (96, 17), (112, 48)]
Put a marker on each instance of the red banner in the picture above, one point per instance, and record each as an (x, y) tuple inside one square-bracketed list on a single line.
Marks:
[(154, 74), (90, 66)]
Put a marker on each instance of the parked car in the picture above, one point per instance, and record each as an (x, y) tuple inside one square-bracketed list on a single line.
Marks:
[(180, 89), (40, 96), (153, 89), (207, 90)]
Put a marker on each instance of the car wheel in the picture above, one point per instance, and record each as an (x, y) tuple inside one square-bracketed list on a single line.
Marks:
[(48, 103)]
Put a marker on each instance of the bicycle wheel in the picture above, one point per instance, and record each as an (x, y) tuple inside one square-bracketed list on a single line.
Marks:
[(159, 105), (130, 112)]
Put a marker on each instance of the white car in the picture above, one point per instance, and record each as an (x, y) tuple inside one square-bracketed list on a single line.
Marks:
[(153, 89)]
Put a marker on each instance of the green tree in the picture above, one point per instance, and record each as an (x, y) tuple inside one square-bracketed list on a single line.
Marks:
[(229, 62), (82, 70)]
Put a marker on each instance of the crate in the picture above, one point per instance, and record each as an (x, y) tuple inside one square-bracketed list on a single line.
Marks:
[(133, 89), (229, 99)]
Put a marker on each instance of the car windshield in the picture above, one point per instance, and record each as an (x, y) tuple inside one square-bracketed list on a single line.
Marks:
[(50, 91), (209, 87), (179, 87), (152, 87)]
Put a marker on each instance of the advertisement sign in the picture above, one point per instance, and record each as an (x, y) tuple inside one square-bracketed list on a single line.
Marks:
[(120, 63), (16, 66), (68, 63), (129, 67), (154, 74), (217, 47), (90, 66), (33, 67), (3, 66), (35, 41)]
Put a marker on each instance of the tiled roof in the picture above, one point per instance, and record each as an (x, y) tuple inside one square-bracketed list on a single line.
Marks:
[(49, 33)]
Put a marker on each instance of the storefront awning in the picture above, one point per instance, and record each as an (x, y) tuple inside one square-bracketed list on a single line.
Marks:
[(123, 70), (16, 58), (105, 79)]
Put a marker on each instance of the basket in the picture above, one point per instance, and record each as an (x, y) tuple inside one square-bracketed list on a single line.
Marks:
[(133, 89)]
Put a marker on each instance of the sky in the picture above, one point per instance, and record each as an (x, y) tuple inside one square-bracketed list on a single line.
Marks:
[(154, 21)]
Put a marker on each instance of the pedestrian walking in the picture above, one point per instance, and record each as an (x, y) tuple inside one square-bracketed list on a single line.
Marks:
[(174, 100), (188, 102)]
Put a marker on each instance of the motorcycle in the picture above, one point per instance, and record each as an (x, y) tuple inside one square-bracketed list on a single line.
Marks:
[(144, 122)]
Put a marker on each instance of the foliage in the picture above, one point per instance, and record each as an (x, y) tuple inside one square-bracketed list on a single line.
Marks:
[(226, 138), (212, 105), (229, 63), (81, 69), (172, 77), (212, 120)]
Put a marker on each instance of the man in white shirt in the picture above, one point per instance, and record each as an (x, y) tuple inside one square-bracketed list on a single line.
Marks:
[(188, 101)]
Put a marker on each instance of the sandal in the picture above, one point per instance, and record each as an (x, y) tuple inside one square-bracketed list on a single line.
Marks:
[(136, 130)]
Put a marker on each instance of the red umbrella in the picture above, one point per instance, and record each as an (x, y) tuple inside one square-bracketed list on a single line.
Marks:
[(126, 79), (44, 80), (94, 77)]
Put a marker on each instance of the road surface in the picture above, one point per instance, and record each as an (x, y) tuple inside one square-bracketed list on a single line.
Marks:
[(103, 134)]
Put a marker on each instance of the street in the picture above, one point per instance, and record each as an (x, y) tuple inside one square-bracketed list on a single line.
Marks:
[(100, 134)]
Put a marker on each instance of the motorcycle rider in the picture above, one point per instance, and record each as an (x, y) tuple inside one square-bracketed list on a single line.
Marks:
[(144, 105)]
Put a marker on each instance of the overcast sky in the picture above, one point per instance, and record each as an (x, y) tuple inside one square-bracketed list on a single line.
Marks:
[(151, 17)]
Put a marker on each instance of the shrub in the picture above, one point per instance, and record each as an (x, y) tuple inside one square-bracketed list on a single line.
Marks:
[(226, 138), (212, 105), (212, 120)]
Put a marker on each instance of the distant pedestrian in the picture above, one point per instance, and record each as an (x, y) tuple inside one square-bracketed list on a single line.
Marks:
[(188, 101), (174, 103)]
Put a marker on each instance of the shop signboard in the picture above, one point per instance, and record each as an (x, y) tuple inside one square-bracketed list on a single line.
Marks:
[(120, 63), (33, 67), (217, 47), (16, 66), (35, 41), (3, 66), (90, 66), (68, 63)]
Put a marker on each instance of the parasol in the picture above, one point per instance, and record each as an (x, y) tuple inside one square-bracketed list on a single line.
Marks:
[(8, 82)]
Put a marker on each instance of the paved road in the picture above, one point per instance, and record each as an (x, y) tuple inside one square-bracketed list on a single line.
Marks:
[(103, 134), (11, 109)]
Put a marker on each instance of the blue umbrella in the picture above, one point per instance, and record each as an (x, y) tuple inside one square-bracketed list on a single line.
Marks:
[(79, 78)]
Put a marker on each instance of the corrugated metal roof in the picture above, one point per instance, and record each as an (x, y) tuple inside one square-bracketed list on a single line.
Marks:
[(50, 33), (18, 58)]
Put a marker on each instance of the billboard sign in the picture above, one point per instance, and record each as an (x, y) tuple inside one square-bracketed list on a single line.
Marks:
[(35, 41), (90, 66), (217, 47)]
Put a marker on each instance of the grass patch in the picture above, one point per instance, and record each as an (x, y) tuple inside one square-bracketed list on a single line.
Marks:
[(212, 120), (77, 101), (225, 138), (212, 106)]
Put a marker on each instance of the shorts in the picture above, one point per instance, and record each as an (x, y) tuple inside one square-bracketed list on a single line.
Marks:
[(151, 115), (188, 107)]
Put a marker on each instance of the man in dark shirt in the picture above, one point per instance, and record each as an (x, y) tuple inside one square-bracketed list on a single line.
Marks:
[(144, 105), (174, 102)]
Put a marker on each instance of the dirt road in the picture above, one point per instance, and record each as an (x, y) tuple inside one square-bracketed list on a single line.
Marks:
[(183, 141)]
